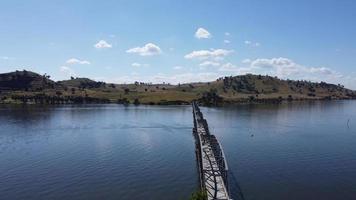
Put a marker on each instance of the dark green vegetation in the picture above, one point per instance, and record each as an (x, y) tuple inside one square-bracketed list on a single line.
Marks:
[(30, 87), (199, 195)]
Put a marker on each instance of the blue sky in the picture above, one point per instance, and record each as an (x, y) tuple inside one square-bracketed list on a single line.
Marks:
[(180, 41)]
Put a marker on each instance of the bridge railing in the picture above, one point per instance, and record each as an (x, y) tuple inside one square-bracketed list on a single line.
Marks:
[(214, 144)]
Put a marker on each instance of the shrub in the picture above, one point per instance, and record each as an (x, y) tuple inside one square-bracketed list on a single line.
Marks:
[(127, 90), (136, 102), (199, 195)]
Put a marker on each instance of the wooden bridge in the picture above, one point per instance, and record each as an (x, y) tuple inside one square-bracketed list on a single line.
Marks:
[(211, 160)]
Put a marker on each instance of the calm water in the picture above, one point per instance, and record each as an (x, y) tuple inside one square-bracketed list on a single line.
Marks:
[(275, 152)]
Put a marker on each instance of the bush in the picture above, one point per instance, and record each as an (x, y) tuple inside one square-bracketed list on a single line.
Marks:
[(124, 101), (59, 93), (136, 102), (127, 90), (290, 98), (198, 195), (211, 98)]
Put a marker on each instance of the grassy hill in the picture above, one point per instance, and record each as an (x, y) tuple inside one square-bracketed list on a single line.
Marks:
[(25, 80), (29, 87), (82, 83)]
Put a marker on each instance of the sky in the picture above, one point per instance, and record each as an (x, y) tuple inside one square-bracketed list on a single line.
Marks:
[(122, 41)]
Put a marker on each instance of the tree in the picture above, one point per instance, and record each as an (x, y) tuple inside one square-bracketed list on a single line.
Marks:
[(127, 90), (136, 102), (59, 93), (290, 97), (211, 98)]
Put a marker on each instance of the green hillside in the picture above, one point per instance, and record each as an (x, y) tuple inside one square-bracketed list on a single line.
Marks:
[(29, 87)]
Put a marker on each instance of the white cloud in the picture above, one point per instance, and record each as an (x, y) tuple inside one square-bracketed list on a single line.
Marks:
[(184, 78), (177, 67), (77, 61), (207, 54), (135, 64), (209, 63), (173, 79), (231, 68), (287, 68), (228, 67), (227, 41), (227, 34), (202, 33), (322, 70), (6, 58), (282, 67), (149, 49), (66, 70), (246, 61), (102, 44), (253, 44)]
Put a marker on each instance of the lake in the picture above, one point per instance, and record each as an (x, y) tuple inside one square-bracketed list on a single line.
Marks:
[(304, 150)]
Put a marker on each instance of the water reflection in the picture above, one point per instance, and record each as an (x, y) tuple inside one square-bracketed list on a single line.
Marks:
[(288, 151), (295, 147), (96, 152)]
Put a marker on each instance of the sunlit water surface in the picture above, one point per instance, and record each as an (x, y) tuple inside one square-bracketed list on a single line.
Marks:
[(275, 152)]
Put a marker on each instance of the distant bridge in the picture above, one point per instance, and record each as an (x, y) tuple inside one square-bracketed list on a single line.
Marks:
[(213, 169)]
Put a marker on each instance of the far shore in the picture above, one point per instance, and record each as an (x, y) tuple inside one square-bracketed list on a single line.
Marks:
[(25, 87), (169, 103)]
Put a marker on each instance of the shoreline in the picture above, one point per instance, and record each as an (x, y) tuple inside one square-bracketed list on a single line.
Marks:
[(224, 103)]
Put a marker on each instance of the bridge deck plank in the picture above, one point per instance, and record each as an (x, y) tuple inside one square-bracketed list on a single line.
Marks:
[(213, 180)]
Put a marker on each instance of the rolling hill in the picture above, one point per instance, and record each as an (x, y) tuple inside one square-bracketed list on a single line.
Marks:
[(30, 87)]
